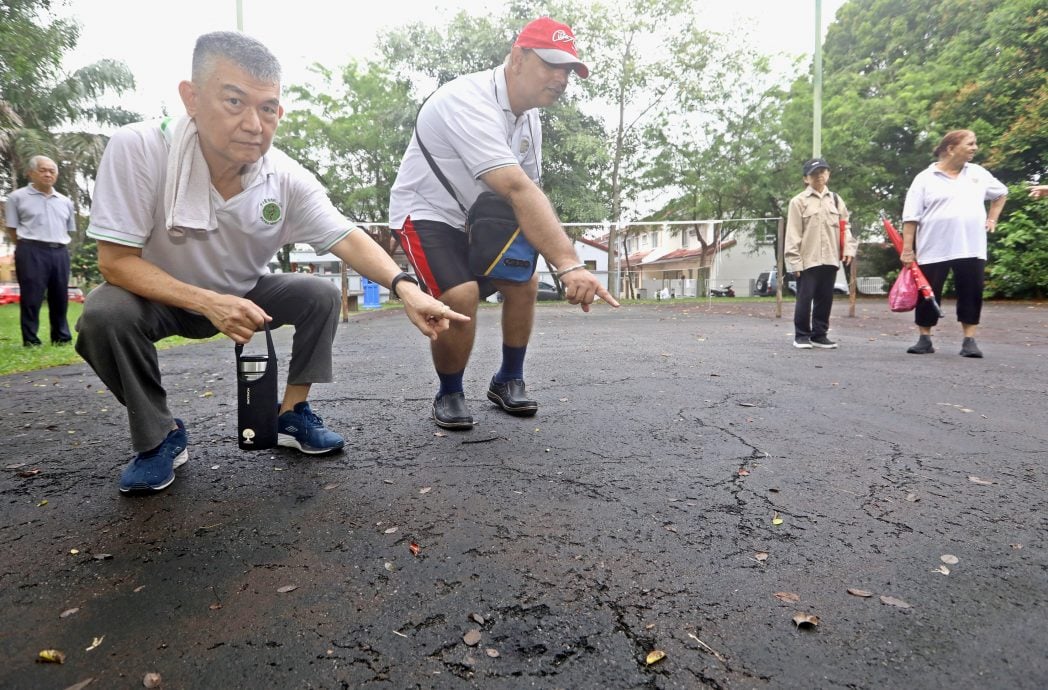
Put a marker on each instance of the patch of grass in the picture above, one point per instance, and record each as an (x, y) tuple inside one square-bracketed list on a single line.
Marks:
[(15, 358)]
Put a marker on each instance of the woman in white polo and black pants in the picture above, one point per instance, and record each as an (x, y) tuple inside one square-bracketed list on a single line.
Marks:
[(945, 217)]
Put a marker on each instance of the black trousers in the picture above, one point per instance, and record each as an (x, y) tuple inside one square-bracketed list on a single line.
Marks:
[(811, 315), (118, 330), (41, 269), (968, 280)]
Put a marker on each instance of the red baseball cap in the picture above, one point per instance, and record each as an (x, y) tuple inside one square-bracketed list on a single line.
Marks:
[(553, 42)]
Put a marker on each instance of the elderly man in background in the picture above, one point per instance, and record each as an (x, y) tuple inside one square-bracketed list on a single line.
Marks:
[(39, 222)]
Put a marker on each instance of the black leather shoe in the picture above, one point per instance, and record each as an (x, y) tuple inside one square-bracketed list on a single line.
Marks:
[(510, 397), (450, 411)]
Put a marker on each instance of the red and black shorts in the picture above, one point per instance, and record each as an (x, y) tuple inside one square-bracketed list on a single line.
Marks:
[(439, 253)]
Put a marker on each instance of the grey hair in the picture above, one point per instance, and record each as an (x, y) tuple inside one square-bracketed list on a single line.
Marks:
[(240, 49), (34, 162)]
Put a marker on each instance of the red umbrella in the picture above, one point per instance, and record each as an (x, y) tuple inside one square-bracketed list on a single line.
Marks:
[(923, 286)]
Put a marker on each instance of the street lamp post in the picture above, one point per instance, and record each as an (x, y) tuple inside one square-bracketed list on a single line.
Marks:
[(816, 135)]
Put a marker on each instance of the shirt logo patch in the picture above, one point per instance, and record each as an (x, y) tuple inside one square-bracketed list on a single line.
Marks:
[(562, 36), (525, 146), (271, 211)]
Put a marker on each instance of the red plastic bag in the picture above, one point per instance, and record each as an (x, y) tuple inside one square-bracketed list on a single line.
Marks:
[(903, 295)]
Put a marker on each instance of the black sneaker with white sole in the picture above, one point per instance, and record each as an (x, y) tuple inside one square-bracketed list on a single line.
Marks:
[(822, 342)]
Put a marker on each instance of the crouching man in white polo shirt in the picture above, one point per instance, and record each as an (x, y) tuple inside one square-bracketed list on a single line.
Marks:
[(483, 133), (187, 215)]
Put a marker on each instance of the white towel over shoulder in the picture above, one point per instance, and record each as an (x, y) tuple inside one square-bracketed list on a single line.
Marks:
[(187, 191)]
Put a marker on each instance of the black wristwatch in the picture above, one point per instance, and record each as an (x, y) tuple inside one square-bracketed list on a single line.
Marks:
[(397, 278)]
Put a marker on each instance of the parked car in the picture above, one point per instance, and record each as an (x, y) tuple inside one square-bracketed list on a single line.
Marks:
[(547, 292), (9, 293), (767, 283)]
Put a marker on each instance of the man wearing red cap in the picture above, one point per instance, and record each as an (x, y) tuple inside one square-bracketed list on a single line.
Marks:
[(482, 133)]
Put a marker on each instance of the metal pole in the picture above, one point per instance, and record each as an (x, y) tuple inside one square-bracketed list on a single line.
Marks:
[(240, 15), (780, 234), (816, 136)]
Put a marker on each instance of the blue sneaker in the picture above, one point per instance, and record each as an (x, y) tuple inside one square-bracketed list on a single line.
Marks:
[(305, 431), (154, 470)]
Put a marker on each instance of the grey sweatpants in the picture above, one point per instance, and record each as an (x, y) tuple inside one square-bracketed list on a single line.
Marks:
[(118, 328)]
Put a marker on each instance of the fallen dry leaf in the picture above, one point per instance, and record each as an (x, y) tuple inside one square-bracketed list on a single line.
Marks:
[(42, 503), (28, 473), (743, 472), (102, 556), (329, 487), (287, 588), (1016, 546), (912, 498), (472, 637), (439, 434), (805, 620), (414, 548), (975, 480), (390, 567), (68, 612), (942, 569), (151, 680), (81, 685), (390, 530), (859, 592), (492, 652), (760, 556), (138, 589), (74, 551), (787, 596), (425, 489), (776, 520), (892, 601), (949, 559), (216, 606), (51, 656), (654, 656), (95, 643), (477, 618)]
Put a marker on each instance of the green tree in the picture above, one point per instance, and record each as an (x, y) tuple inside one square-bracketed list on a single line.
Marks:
[(42, 107), (1018, 250), (352, 132), (898, 74)]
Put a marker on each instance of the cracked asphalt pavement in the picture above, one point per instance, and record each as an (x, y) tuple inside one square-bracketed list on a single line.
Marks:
[(638, 511)]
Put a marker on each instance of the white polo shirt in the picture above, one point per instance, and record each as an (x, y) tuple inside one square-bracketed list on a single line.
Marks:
[(281, 203), (469, 129), (951, 212), (38, 216)]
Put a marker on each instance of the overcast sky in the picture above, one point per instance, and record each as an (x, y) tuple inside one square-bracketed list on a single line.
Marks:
[(302, 32)]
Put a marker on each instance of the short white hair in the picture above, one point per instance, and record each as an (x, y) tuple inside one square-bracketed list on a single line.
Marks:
[(34, 162)]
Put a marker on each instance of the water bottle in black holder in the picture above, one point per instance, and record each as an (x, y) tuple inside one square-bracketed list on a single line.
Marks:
[(257, 398)]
